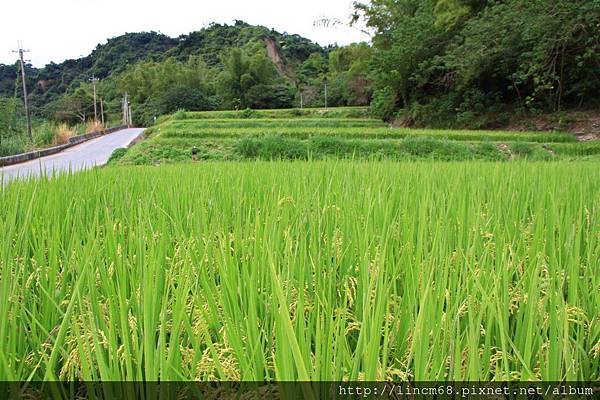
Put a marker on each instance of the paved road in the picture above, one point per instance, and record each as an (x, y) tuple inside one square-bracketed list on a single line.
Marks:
[(86, 155)]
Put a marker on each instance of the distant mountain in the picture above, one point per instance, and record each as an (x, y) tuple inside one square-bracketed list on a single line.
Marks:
[(49, 83)]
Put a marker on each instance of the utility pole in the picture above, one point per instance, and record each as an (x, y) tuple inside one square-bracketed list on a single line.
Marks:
[(93, 79), (102, 110), (25, 100), (124, 109), (326, 93), (127, 119)]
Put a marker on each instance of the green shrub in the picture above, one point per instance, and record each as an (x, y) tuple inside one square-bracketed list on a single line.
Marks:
[(12, 145), (117, 155), (439, 112), (247, 147), (248, 113), (488, 151), (521, 149), (383, 104), (43, 135)]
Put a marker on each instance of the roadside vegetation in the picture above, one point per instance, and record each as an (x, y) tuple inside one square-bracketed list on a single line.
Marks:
[(45, 134)]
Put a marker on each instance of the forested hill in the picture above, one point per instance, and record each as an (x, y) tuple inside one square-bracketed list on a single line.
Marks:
[(48, 84)]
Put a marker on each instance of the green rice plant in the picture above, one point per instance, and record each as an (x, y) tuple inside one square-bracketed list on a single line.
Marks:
[(576, 149), (343, 128), (272, 147), (303, 270), (216, 124)]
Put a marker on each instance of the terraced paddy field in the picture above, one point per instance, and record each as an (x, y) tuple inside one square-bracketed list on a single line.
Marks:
[(322, 270), (345, 133)]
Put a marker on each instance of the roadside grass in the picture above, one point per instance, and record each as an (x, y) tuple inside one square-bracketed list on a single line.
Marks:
[(45, 134), (329, 270), (13, 145)]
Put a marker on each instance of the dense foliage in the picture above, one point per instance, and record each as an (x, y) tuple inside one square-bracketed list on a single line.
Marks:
[(469, 61)]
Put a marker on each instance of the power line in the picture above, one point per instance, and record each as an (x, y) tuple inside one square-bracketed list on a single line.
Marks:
[(25, 100)]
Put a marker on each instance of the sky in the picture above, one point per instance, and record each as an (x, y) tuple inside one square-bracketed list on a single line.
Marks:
[(56, 30)]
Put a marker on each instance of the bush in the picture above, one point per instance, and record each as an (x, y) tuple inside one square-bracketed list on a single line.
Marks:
[(117, 155), (183, 97), (331, 145), (43, 135), (427, 147), (439, 112), (247, 147), (488, 151), (247, 113), (13, 145), (383, 104), (270, 96)]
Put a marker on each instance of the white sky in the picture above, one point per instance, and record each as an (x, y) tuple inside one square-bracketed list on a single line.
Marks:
[(55, 30)]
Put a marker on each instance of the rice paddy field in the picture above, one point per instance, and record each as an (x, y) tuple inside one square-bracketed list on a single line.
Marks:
[(324, 270), (313, 245), (345, 133)]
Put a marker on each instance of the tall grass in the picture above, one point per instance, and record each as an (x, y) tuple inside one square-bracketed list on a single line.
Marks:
[(12, 145), (332, 270), (52, 134)]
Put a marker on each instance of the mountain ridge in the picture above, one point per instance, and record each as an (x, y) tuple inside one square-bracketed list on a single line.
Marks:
[(48, 83)]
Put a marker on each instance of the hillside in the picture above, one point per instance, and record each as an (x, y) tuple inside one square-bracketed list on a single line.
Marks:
[(49, 83)]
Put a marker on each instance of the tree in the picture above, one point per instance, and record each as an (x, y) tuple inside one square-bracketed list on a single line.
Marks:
[(270, 96), (444, 60), (75, 107), (349, 67), (243, 74)]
